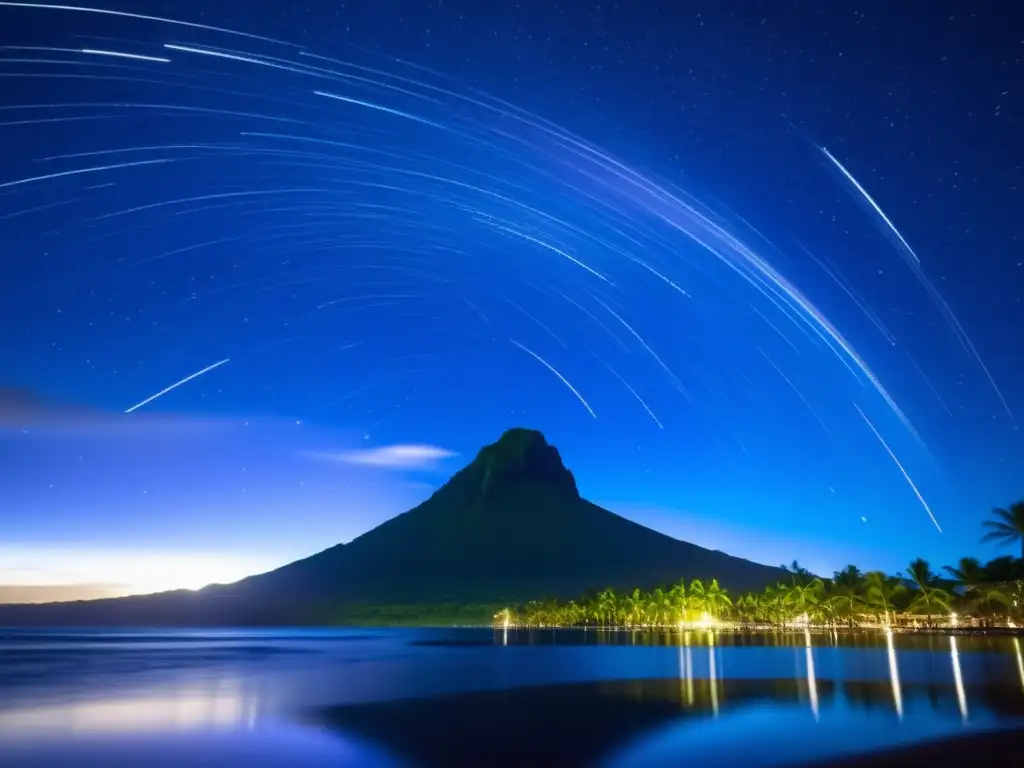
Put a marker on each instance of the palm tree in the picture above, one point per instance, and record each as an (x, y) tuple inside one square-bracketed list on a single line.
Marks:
[(532, 614), (716, 599), (1003, 569), (608, 607), (1007, 527), (804, 597), (931, 600), (882, 592), (745, 609), (696, 599), (920, 574), (928, 598), (968, 574), (801, 575), (989, 598), (678, 597), (636, 607), (773, 604), (572, 613), (846, 589), (660, 607)]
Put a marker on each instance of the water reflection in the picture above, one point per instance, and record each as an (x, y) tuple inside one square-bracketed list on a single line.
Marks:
[(631, 723), (894, 675), (712, 673), (812, 681), (961, 695), (223, 705), (689, 670), (1020, 662), (710, 693)]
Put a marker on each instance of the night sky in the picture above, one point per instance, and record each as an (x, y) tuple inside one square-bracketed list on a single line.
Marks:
[(754, 268)]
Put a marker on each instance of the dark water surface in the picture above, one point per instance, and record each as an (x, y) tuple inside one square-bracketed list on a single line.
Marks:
[(471, 696)]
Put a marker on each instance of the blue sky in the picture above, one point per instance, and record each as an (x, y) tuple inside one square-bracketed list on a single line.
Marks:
[(403, 225)]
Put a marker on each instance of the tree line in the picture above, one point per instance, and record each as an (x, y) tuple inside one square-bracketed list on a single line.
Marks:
[(969, 593)]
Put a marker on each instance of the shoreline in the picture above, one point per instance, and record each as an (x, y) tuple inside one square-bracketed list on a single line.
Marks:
[(761, 630)]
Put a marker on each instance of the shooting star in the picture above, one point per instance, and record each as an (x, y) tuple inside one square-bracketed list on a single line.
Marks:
[(901, 242), (632, 391), (560, 376), (905, 475), (915, 266), (178, 384)]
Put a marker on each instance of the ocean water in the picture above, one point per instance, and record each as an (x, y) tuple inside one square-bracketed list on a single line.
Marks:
[(288, 697)]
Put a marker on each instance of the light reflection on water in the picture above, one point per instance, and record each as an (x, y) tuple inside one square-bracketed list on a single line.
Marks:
[(812, 681), (172, 710), (192, 693), (961, 694), (894, 674)]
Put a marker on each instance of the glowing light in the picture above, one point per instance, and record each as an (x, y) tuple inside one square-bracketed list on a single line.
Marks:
[(1020, 661), (812, 680), (961, 695), (894, 675), (952, 619)]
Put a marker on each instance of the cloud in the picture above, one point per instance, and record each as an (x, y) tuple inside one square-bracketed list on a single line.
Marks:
[(407, 456), (25, 409)]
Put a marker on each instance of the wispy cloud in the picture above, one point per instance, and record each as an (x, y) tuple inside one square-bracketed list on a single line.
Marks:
[(26, 409), (402, 456)]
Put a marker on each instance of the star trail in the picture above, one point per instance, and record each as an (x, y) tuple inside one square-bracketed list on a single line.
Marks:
[(392, 251)]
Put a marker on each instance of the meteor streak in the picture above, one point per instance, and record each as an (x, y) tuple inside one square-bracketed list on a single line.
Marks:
[(905, 475), (177, 384), (915, 266), (902, 244), (551, 368)]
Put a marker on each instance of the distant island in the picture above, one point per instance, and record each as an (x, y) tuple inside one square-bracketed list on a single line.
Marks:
[(509, 538)]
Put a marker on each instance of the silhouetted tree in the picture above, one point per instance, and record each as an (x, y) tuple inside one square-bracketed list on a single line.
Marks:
[(1007, 526)]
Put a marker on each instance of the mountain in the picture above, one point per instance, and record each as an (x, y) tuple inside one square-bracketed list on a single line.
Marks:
[(509, 527)]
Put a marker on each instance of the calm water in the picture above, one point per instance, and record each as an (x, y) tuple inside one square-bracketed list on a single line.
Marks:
[(451, 697)]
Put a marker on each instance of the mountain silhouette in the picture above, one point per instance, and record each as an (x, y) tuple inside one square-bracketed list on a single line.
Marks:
[(509, 527)]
